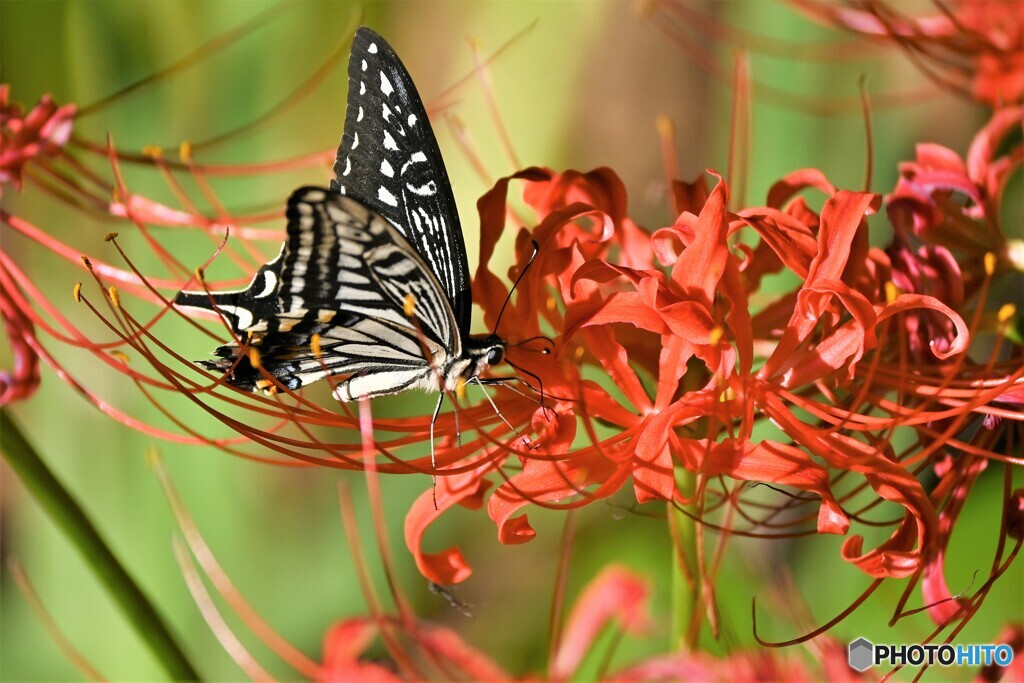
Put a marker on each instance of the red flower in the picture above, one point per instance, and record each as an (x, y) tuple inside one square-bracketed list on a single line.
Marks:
[(42, 132), (973, 47)]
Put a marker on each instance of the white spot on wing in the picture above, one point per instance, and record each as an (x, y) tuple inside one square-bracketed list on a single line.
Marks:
[(348, 167), (389, 142), (372, 49), (416, 158), (268, 285), (355, 139), (385, 85), (244, 315), (362, 88), (386, 168), (385, 196), (359, 116), (427, 190), (364, 65), (412, 120)]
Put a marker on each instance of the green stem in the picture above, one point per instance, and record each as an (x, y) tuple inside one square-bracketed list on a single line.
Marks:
[(685, 574), (72, 520)]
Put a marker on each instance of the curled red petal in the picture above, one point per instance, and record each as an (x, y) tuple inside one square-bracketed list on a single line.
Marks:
[(550, 481), (23, 380), (778, 463), (906, 302), (447, 567), (797, 181)]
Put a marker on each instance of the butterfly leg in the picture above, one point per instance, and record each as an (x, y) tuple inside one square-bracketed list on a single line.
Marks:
[(433, 456), (526, 439)]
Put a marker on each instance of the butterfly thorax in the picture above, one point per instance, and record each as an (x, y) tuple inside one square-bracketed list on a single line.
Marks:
[(478, 354)]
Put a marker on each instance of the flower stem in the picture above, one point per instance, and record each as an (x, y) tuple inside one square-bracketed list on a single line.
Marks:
[(72, 520), (685, 575)]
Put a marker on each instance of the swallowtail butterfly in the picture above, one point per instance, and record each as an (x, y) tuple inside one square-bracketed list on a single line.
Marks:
[(372, 283)]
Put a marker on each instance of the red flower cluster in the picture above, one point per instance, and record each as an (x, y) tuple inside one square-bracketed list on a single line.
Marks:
[(675, 373), (696, 367), (42, 132), (972, 47)]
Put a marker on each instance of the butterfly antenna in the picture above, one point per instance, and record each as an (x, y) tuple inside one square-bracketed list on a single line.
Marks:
[(522, 273)]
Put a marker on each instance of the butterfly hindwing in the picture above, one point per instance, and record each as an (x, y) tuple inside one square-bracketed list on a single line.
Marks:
[(348, 277), (390, 161)]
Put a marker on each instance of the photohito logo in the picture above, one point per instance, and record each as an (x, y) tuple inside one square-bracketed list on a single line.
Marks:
[(862, 654)]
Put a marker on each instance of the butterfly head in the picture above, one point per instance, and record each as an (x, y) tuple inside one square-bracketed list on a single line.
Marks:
[(483, 353)]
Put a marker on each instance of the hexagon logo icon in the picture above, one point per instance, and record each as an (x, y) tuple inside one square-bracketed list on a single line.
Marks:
[(861, 655)]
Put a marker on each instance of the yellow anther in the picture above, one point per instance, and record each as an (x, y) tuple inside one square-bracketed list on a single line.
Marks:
[(578, 354), (86, 262), (121, 356), (990, 263), (314, 345), (110, 236), (200, 275), (116, 196), (410, 305), (153, 151), (254, 357), (77, 292), (891, 292), (1006, 312), (153, 458), (185, 151), (460, 387), (115, 298), (716, 334), (551, 304)]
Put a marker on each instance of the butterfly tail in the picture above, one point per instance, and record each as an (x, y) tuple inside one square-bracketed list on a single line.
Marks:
[(243, 309)]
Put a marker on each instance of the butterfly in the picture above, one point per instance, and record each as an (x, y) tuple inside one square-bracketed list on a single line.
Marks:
[(372, 284)]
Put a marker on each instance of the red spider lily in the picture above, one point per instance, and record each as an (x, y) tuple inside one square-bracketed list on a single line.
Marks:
[(952, 206), (972, 47), (694, 370), (669, 362), (23, 137), (616, 599)]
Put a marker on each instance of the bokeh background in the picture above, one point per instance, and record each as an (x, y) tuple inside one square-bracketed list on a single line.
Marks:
[(581, 85)]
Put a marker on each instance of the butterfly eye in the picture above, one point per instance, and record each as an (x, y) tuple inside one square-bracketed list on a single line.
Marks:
[(495, 356)]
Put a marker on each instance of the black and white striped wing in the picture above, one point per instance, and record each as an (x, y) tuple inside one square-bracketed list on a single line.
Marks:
[(243, 309), (349, 277), (389, 160)]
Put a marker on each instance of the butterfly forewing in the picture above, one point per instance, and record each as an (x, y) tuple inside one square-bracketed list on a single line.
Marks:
[(389, 160)]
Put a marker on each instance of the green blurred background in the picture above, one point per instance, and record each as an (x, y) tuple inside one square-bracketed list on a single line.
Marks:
[(581, 87)]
